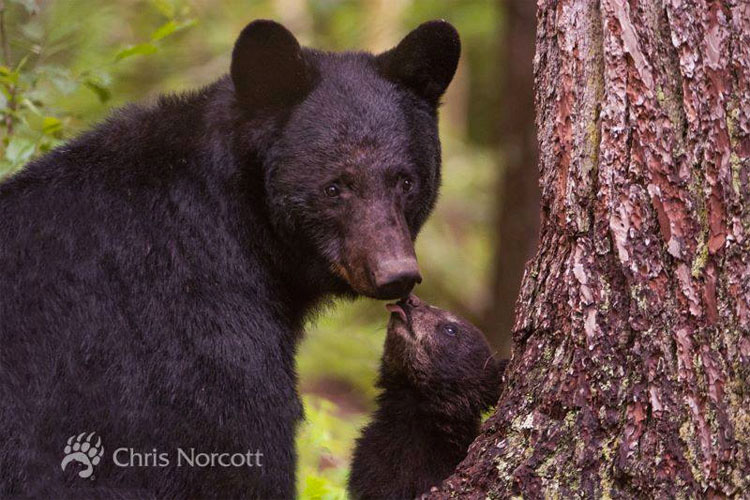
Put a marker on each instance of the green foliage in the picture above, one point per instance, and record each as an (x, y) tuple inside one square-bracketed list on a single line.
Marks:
[(34, 90), (173, 25), (324, 447)]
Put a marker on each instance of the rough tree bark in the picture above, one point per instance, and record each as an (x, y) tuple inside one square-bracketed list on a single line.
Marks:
[(630, 374), (518, 201)]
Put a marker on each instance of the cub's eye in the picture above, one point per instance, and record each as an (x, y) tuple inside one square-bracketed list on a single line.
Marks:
[(332, 190), (450, 329), (406, 184)]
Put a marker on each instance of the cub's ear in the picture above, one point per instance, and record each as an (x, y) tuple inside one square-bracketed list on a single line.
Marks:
[(268, 69), (425, 61)]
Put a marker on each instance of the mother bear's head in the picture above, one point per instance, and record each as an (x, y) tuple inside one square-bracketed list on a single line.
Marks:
[(354, 170)]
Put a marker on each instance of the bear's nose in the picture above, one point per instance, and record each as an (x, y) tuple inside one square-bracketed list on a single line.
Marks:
[(394, 279)]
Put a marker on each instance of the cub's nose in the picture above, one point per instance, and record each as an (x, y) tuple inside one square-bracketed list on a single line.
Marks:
[(394, 279)]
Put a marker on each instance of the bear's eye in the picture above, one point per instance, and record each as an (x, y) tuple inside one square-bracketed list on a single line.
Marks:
[(406, 184), (332, 190), (450, 329)]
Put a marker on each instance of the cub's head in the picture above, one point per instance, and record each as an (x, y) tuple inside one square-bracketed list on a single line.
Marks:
[(441, 355), (355, 169)]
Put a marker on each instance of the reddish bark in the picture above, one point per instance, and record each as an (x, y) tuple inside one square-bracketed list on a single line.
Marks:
[(630, 374)]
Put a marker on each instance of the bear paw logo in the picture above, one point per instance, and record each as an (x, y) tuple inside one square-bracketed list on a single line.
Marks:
[(84, 451)]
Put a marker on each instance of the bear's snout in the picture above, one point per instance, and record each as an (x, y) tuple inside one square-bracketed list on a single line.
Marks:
[(395, 278)]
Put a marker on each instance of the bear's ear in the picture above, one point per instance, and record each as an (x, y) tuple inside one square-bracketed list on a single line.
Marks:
[(425, 61), (268, 69)]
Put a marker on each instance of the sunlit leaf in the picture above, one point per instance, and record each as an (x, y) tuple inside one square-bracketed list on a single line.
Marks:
[(102, 92), (61, 78), (8, 76), (165, 29), (30, 105), (171, 27), (21, 63), (315, 487), (97, 75), (320, 488), (19, 151), (47, 145), (52, 126), (165, 7), (136, 50)]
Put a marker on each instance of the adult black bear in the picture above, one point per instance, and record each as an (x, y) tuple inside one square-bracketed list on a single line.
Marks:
[(157, 270)]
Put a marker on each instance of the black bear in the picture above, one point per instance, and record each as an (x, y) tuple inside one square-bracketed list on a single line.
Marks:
[(157, 270), (438, 375)]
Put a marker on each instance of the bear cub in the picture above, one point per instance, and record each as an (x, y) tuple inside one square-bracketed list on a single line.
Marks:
[(438, 375)]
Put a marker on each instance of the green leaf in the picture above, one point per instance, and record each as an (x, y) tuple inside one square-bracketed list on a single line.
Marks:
[(321, 488), (102, 92), (47, 145), (170, 27), (22, 63), (29, 104), (8, 76), (136, 50), (315, 488), (164, 30), (60, 77), (165, 7), (52, 126), (19, 151)]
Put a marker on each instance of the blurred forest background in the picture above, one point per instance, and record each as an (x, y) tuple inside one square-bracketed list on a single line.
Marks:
[(67, 63)]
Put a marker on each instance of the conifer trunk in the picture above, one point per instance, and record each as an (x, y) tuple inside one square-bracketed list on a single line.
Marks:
[(630, 374)]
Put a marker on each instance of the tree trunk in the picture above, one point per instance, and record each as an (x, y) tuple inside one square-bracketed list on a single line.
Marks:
[(517, 210), (630, 374)]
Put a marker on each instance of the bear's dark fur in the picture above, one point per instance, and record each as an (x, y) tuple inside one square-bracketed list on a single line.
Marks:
[(157, 270), (438, 376)]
